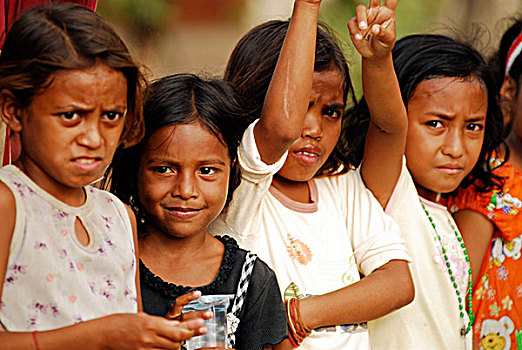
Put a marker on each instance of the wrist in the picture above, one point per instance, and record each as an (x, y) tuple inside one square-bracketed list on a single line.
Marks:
[(378, 62), (311, 5)]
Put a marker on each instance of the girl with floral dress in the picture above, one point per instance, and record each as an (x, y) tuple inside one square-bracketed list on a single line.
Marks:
[(68, 264), (491, 220)]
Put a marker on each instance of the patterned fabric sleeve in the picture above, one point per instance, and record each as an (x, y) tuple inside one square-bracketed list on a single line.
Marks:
[(502, 207)]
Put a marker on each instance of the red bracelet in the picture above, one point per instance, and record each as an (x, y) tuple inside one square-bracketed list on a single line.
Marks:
[(35, 340)]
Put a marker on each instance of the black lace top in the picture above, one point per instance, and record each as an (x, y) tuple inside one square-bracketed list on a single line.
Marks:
[(263, 317)]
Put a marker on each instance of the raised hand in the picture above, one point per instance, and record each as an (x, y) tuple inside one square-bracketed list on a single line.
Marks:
[(372, 30)]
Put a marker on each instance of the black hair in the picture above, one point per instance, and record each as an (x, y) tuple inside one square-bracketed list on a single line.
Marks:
[(417, 58), (252, 64), (498, 60), (48, 38), (181, 99)]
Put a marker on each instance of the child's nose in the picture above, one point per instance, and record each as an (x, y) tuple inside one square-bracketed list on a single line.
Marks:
[(90, 136), (313, 126), (453, 144), (186, 186)]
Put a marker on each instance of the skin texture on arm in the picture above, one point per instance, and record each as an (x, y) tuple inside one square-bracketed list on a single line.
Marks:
[(386, 289), (373, 34), (287, 97), (476, 230)]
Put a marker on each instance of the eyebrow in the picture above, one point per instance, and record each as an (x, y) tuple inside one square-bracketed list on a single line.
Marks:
[(336, 105), (447, 117), (200, 163), (88, 108)]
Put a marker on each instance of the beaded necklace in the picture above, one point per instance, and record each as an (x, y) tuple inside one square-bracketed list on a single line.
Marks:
[(462, 304)]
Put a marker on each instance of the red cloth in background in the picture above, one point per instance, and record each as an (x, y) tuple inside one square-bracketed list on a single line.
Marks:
[(9, 9)]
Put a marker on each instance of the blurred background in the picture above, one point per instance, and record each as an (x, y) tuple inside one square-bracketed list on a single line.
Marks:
[(197, 36)]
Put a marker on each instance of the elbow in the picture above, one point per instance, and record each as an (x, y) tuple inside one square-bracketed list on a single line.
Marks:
[(407, 293)]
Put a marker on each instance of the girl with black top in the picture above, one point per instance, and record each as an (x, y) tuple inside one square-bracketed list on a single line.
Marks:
[(177, 180)]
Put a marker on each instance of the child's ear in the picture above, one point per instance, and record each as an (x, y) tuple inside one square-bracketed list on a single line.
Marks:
[(508, 92), (508, 89), (10, 110)]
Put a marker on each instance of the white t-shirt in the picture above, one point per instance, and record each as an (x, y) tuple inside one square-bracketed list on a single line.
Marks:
[(320, 246), (432, 320)]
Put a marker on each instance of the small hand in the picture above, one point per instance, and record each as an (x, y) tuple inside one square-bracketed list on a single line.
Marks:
[(141, 331), (176, 311), (373, 29)]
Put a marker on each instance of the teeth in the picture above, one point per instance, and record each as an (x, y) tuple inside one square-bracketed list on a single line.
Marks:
[(85, 161), (308, 153)]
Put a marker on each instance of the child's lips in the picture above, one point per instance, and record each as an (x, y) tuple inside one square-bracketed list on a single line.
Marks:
[(307, 155), (87, 163), (183, 213), (451, 169)]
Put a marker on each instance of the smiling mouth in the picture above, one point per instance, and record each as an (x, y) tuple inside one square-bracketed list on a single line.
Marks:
[(183, 213)]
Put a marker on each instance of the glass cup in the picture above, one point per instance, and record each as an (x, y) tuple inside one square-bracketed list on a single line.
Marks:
[(216, 335)]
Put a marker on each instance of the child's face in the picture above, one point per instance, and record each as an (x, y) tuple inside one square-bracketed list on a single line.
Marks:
[(321, 130), (72, 128), (512, 94), (446, 119), (183, 180)]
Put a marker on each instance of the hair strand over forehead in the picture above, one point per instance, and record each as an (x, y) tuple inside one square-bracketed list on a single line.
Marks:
[(174, 100), (252, 64), (56, 36)]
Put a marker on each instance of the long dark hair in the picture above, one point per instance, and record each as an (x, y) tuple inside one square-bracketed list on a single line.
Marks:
[(57, 36), (498, 60), (421, 57), (181, 99), (252, 64)]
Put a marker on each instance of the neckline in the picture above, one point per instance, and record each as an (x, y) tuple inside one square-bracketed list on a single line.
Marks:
[(300, 207), (173, 290), (429, 203), (33, 186)]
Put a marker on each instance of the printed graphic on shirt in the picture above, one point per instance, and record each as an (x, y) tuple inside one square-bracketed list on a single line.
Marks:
[(500, 249), (504, 201), (298, 250), (496, 335)]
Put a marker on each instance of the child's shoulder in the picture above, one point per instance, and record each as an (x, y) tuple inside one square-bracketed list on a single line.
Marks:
[(7, 208), (242, 258)]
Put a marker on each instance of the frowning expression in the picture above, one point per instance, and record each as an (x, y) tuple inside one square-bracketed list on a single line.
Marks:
[(446, 120), (72, 128), (321, 130)]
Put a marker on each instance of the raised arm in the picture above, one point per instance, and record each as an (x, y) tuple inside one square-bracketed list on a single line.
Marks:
[(288, 95), (373, 35)]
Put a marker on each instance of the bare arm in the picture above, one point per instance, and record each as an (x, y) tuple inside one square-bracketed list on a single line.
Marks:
[(476, 231), (388, 288), (288, 95), (373, 34)]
